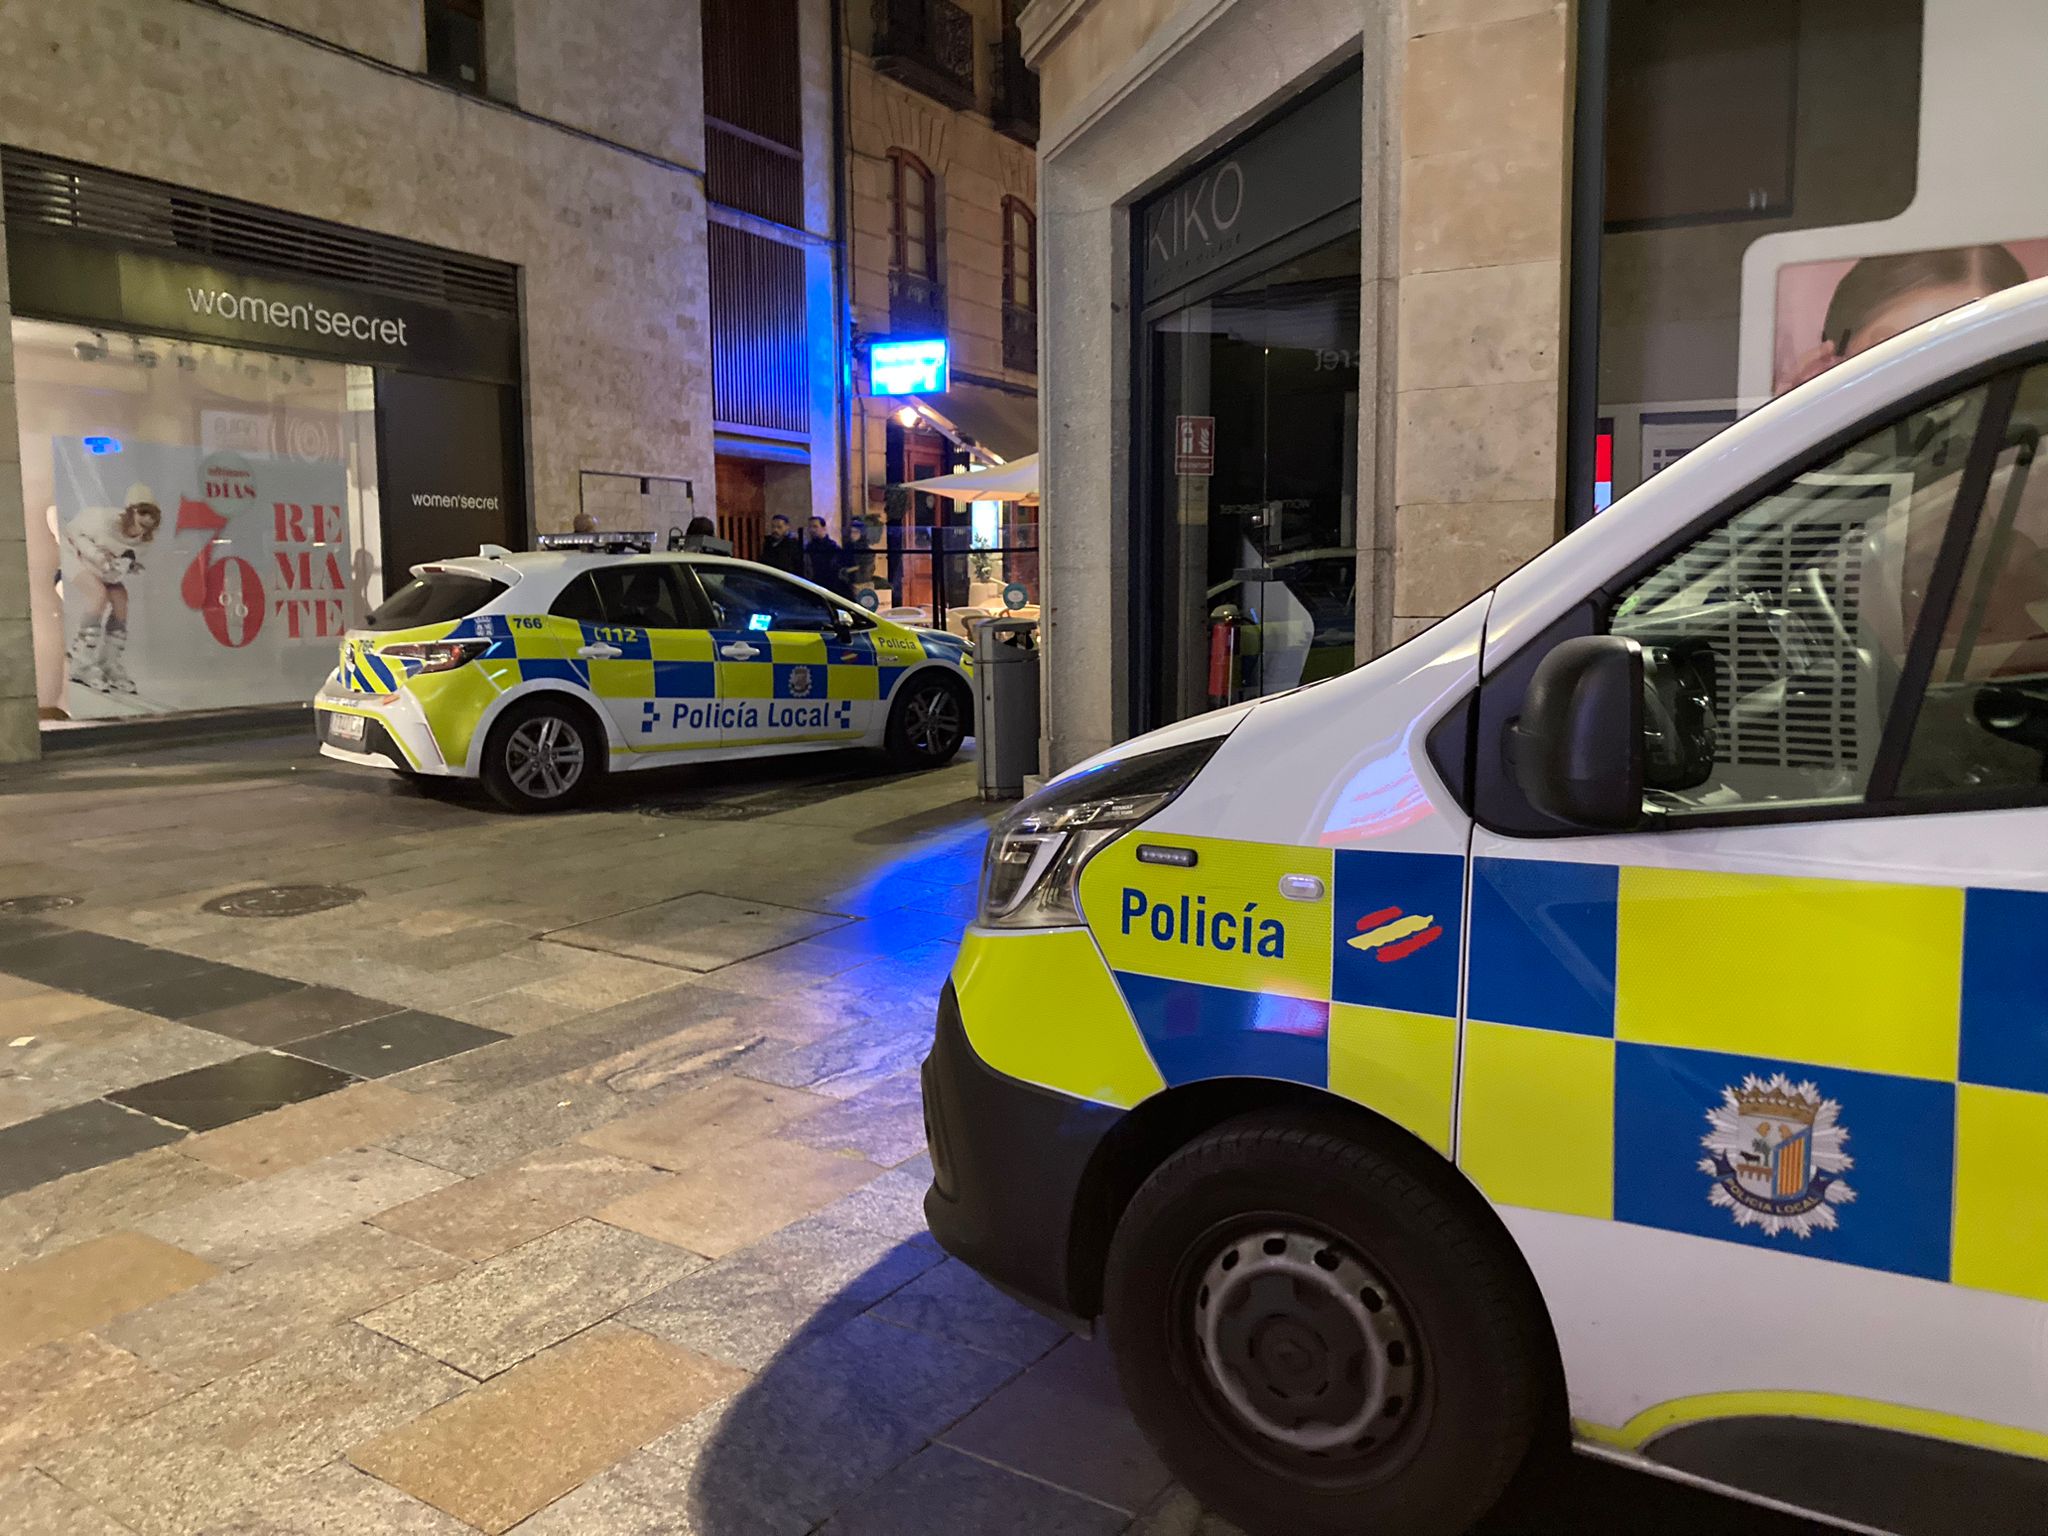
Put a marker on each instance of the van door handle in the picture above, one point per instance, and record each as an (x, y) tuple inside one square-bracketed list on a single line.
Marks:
[(599, 652), (739, 650)]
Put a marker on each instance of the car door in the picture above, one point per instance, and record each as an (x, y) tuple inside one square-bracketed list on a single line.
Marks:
[(788, 670), (646, 654), (1761, 1087)]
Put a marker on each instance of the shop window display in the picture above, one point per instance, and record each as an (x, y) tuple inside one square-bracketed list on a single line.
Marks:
[(201, 520)]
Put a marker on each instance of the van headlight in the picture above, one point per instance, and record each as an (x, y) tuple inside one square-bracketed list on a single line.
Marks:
[(1031, 874)]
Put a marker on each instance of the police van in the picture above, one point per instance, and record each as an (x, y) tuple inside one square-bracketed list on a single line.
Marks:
[(1622, 1005), (537, 673)]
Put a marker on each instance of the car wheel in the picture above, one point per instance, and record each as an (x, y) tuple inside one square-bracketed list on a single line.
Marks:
[(543, 756), (928, 722), (1317, 1340)]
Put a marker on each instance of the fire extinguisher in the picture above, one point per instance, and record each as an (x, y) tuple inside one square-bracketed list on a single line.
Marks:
[(1223, 683)]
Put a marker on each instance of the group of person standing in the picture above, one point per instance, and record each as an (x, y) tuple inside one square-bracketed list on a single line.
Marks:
[(818, 556)]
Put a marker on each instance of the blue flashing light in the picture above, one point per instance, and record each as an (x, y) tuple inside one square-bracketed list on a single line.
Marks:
[(908, 367), (99, 445)]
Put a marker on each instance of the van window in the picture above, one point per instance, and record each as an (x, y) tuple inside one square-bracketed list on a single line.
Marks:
[(1983, 724), (1773, 645), (433, 597)]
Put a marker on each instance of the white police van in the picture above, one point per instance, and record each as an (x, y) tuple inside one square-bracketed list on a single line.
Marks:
[(1622, 1005)]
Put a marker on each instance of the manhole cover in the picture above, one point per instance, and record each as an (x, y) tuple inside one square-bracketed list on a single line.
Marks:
[(28, 906), (282, 900)]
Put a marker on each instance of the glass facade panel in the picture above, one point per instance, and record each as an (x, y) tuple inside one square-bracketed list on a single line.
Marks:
[(202, 520)]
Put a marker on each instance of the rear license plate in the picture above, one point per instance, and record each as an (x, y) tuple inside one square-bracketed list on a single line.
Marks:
[(346, 730)]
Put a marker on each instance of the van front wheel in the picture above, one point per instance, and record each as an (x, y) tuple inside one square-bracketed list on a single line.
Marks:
[(1316, 1340)]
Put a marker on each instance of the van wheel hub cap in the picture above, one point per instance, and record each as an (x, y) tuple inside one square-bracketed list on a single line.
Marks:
[(1305, 1344)]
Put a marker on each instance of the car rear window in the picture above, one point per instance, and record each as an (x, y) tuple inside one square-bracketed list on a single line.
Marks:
[(438, 597)]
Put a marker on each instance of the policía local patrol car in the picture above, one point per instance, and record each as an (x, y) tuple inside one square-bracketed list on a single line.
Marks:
[(538, 672), (1625, 1000)]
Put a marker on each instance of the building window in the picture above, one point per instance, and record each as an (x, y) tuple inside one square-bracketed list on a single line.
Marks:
[(1020, 286), (913, 226), (455, 43)]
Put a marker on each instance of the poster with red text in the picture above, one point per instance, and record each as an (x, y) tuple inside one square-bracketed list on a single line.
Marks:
[(195, 580)]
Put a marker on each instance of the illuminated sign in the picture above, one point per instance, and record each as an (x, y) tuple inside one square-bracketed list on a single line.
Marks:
[(98, 445), (907, 367)]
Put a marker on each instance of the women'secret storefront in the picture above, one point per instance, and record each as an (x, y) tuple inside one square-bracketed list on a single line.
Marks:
[(238, 428)]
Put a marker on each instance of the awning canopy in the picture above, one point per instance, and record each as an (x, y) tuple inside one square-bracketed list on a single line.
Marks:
[(1015, 481)]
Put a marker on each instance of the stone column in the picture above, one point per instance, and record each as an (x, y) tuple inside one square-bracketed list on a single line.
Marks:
[(19, 737), (1485, 191)]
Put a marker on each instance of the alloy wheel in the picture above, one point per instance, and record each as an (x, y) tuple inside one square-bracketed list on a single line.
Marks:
[(544, 757), (931, 722)]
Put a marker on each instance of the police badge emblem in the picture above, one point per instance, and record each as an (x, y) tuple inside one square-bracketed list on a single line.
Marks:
[(800, 682), (1775, 1156)]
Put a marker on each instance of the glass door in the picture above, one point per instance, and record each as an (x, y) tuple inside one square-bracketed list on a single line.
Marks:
[(1255, 433)]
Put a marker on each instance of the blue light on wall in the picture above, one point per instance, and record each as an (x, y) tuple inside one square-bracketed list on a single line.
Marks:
[(908, 367), (98, 445)]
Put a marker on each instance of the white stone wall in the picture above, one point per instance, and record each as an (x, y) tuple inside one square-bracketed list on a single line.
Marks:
[(610, 244)]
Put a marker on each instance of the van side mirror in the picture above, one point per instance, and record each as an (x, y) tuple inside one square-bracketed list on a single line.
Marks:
[(1576, 751)]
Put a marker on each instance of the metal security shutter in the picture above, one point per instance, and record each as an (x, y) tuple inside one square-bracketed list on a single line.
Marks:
[(87, 202), (760, 357)]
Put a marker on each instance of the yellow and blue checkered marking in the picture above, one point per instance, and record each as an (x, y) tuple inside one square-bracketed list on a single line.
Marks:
[(1612, 1011)]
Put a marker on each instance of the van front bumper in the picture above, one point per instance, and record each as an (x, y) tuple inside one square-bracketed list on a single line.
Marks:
[(1010, 1164)]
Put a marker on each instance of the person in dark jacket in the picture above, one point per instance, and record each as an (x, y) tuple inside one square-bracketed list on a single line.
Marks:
[(701, 538), (824, 561), (783, 548)]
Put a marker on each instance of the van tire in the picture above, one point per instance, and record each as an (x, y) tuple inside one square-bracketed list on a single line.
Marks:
[(1302, 1429), (544, 725), (933, 713)]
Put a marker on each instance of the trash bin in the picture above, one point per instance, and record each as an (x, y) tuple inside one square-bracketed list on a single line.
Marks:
[(1006, 704)]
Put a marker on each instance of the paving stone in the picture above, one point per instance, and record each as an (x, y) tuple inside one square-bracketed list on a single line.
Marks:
[(648, 1494), (953, 1302), (71, 1386), (62, 1141), (153, 1048), (939, 1492), (250, 1314), (484, 1216), (494, 1316), (534, 1433), (843, 1065), (38, 1505), (892, 1205), (806, 1279), (287, 1016), (1064, 1420), (476, 1138), (100, 1200), (51, 1013), (884, 1124), (187, 997), (704, 1121), (699, 932), (88, 1284), (227, 1091), (338, 1500), (823, 1420), (740, 1194), (504, 1066), (238, 1226), (196, 1461), (358, 1115), (394, 1043)]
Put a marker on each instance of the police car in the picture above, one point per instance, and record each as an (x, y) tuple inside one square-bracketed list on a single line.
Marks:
[(537, 673), (1621, 1005)]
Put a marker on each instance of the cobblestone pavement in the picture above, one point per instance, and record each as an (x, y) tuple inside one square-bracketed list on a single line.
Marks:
[(376, 1163)]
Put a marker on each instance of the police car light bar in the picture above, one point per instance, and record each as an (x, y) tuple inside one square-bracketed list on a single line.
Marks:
[(600, 543)]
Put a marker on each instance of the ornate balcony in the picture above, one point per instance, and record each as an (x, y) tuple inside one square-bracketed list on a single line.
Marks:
[(928, 45)]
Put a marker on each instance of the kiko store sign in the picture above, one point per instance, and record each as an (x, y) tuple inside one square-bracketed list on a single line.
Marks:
[(59, 279), (1286, 176)]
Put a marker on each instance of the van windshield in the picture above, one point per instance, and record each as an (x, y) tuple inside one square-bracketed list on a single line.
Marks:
[(438, 597)]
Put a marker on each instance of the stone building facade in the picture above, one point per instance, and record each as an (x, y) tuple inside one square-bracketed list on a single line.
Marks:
[(563, 178), (1457, 115)]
